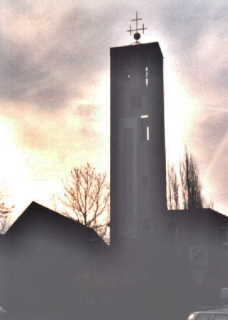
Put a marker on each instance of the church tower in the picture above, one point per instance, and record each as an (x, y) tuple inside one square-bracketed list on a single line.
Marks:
[(138, 162)]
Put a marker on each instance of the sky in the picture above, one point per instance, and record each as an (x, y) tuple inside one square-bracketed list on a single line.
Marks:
[(55, 87)]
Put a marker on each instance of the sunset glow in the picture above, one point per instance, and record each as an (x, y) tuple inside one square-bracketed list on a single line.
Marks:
[(55, 89)]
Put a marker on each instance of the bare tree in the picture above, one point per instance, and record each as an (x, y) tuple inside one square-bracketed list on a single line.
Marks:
[(190, 182), (173, 186), (86, 197), (6, 206), (184, 189)]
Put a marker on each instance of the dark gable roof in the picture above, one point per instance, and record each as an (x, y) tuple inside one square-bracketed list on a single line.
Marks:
[(197, 221), (199, 215), (39, 220), (46, 255)]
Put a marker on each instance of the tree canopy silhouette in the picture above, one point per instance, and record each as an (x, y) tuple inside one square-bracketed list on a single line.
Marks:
[(190, 183), (86, 197), (184, 189), (6, 206)]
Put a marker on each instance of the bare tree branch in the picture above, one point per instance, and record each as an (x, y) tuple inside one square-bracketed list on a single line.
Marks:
[(6, 206), (86, 197), (173, 197), (184, 191), (190, 182)]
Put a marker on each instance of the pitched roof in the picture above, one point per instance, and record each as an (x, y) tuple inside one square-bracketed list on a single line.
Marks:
[(37, 219), (199, 215)]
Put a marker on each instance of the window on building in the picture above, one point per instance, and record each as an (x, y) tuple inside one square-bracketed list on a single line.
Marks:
[(146, 76), (145, 130)]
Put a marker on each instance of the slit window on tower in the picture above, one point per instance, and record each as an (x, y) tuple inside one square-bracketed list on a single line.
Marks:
[(146, 76), (145, 130), (147, 133)]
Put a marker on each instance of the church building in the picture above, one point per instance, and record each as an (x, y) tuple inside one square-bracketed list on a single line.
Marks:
[(138, 162), (186, 249)]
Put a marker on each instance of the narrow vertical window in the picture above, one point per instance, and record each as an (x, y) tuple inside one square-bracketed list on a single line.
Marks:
[(146, 77), (147, 133)]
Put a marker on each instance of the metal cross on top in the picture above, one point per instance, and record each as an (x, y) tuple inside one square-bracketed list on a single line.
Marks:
[(137, 34)]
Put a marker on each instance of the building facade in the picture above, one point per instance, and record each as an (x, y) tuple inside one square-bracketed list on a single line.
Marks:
[(138, 162)]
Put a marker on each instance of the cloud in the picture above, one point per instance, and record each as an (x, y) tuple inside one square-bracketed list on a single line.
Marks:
[(53, 56), (195, 33), (57, 139), (48, 67), (210, 147)]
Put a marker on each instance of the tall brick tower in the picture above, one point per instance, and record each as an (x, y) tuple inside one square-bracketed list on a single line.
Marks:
[(138, 162)]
